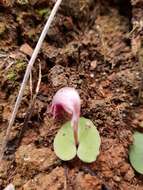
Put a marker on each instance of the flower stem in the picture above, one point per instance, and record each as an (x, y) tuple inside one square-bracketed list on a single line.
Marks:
[(75, 129)]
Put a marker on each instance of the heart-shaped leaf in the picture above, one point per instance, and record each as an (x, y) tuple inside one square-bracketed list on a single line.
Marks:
[(89, 142), (64, 145), (136, 152)]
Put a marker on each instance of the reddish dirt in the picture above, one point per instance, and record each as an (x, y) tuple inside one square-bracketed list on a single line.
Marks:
[(90, 46)]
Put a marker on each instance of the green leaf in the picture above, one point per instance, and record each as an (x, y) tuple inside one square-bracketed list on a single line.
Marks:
[(136, 152), (89, 141), (64, 145)]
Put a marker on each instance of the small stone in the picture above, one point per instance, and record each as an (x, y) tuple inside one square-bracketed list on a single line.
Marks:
[(93, 65), (57, 76), (92, 75), (117, 178), (26, 49)]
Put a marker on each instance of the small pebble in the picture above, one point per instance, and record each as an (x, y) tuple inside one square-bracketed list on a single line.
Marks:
[(93, 65)]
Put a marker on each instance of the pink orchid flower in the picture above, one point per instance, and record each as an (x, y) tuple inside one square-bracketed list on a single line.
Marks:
[(68, 99)]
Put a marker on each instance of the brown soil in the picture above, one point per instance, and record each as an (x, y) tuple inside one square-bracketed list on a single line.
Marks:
[(90, 46)]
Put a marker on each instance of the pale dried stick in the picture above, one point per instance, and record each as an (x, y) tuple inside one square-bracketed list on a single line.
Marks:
[(30, 108), (27, 73), (39, 81), (103, 43), (10, 64), (30, 85)]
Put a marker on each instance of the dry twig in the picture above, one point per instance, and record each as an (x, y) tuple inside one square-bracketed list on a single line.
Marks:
[(30, 84), (27, 73), (30, 108)]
